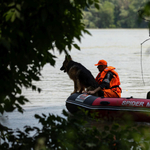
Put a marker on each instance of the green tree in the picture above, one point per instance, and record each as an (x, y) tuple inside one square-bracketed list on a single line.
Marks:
[(128, 13), (101, 18), (106, 15), (116, 13), (144, 13), (88, 20), (29, 33)]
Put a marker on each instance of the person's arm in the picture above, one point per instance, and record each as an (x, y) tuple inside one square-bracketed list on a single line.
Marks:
[(94, 91), (105, 83)]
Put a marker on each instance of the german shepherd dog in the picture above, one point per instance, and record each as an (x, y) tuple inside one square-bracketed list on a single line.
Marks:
[(82, 77)]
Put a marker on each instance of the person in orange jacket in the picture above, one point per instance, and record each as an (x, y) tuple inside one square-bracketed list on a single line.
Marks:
[(108, 80)]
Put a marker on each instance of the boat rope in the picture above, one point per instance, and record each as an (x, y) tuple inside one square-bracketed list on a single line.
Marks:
[(141, 59), (140, 12)]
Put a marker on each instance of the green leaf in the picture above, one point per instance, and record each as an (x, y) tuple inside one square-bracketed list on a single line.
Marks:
[(97, 6), (39, 90), (13, 17), (76, 46)]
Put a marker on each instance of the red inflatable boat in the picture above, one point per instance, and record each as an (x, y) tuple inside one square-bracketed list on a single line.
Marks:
[(111, 108)]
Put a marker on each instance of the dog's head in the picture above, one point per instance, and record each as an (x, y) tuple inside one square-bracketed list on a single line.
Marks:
[(65, 63)]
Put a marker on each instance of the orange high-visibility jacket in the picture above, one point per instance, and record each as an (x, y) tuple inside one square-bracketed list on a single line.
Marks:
[(115, 81)]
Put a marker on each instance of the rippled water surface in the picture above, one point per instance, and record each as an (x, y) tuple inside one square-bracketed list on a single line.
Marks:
[(121, 48)]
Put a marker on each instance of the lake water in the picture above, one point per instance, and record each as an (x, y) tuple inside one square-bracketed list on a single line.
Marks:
[(121, 48)]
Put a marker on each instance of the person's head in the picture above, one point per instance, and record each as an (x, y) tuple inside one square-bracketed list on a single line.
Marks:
[(101, 65)]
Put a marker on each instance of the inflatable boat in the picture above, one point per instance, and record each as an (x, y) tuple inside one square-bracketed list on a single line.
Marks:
[(110, 108)]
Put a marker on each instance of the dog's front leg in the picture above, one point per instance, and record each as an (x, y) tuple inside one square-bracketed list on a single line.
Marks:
[(75, 87), (82, 88)]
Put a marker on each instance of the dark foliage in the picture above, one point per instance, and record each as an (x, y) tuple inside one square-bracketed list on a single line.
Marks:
[(75, 132), (29, 33)]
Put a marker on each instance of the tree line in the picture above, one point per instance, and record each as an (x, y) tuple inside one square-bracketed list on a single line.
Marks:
[(115, 14)]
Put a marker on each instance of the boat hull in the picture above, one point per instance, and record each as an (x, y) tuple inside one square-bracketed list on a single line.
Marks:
[(110, 108)]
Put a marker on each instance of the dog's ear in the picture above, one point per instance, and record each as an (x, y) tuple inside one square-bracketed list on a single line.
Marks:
[(68, 57)]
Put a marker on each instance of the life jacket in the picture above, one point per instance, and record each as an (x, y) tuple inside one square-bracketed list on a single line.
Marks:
[(114, 83)]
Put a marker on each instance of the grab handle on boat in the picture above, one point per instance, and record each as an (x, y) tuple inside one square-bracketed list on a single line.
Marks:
[(129, 97), (104, 103)]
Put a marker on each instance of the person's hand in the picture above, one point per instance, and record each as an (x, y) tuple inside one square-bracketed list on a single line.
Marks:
[(91, 92)]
